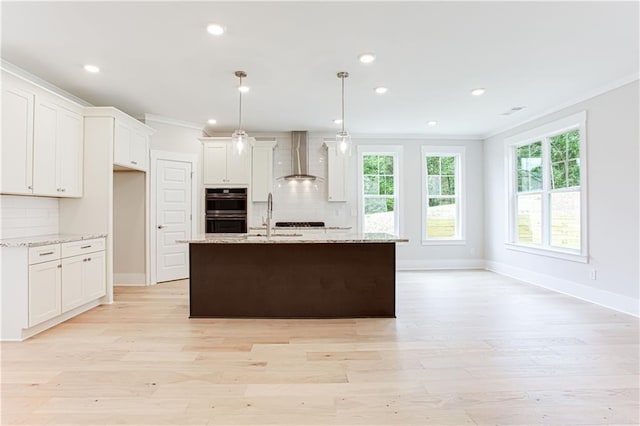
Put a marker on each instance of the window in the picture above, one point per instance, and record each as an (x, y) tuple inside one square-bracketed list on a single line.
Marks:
[(547, 208), (442, 194), (378, 172)]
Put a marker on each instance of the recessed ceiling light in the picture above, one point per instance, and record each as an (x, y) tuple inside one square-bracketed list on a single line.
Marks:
[(381, 90), (478, 92), (212, 121), (91, 68), (243, 89), (337, 121), (215, 29), (367, 58), (431, 123)]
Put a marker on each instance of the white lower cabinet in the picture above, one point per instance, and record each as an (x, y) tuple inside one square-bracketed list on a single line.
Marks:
[(93, 276), (72, 291), (45, 286), (83, 279), (49, 284)]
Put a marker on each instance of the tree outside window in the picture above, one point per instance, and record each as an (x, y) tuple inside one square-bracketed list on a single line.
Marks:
[(442, 202), (379, 193), (547, 188)]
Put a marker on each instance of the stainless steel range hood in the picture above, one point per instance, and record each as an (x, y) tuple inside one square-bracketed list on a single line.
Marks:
[(299, 157)]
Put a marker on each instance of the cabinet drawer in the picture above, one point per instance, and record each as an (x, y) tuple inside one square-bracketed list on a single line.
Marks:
[(44, 253), (76, 248)]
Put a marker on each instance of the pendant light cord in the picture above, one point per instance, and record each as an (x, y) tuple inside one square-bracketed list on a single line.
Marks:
[(342, 78), (240, 111)]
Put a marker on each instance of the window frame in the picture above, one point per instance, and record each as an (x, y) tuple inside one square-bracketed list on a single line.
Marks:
[(544, 133), (395, 151), (441, 151)]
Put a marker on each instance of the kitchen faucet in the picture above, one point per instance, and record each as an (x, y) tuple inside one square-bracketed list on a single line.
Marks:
[(269, 214)]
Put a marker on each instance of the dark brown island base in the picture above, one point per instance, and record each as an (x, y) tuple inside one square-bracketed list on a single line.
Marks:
[(259, 277)]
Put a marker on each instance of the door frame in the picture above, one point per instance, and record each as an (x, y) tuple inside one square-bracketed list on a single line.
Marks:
[(195, 201)]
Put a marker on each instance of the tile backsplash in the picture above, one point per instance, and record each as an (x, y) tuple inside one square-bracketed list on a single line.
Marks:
[(297, 201), (22, 216)]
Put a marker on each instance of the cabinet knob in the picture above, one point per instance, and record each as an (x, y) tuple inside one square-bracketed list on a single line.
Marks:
[(160, 226), (134, 162), (30, 187), (60, 266), (63, 189)]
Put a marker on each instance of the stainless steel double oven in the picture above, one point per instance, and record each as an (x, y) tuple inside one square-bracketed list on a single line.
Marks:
[(226, 210)]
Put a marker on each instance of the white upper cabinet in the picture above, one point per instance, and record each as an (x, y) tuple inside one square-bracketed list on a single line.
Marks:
[(17, 139), (69, 153), (223, 166), (122, 144), (336, 173), (131, 147), (42, 141), (262, 170), (121, 134), (57, 150)]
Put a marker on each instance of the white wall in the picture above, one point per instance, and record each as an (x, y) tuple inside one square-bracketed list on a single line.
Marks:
[(613, 213), (180, 138), (129, 228), (296, 201), (22, 216), (413, 254)]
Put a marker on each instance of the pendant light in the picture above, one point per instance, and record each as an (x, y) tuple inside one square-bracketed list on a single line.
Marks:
[(343, 139), (239, 138)]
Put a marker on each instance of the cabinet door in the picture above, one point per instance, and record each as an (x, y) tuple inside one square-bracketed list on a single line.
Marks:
[(44, 149), (17, 140), (44, 291), (138, 152), (261, 173), (238, 166), (122, 144), (69, 153), (336, 175), (215, 163), (72, 288), (94, 276)]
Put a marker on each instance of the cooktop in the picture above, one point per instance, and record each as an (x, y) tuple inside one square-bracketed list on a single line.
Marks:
[(299, 224)]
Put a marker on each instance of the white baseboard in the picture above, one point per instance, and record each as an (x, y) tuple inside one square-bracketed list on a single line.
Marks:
[(618, 302), (29, 332), (431, 264), (129, 279)]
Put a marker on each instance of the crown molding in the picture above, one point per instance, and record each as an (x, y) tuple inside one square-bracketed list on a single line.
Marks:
[(173, 122), (44, 85)]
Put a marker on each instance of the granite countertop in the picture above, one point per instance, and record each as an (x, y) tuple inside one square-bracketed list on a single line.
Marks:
[(43, 240), (292, 238)]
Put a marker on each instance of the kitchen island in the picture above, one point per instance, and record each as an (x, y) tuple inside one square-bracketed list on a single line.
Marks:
[(292, 276)]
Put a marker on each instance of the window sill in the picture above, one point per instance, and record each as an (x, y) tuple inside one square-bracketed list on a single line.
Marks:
[(558, 254), (452, 242)]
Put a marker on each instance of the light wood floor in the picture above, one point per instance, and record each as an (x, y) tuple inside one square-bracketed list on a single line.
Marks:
[(467, 347)]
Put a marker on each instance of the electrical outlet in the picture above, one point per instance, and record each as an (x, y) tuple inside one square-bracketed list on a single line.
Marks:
[(593, 274)]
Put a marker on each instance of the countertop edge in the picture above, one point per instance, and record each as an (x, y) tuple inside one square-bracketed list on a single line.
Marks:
[(44, 240), (347, 239)]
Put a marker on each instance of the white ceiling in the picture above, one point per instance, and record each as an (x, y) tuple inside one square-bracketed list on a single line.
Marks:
[(157, 58)]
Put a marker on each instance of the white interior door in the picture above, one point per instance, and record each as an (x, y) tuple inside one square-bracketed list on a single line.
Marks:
[(173, 219)]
